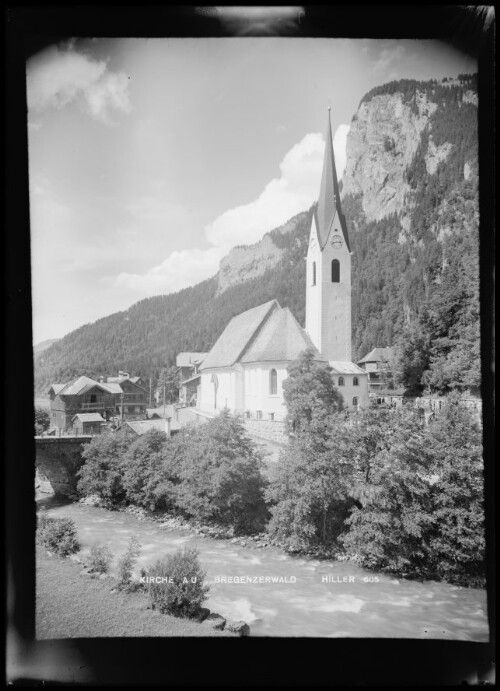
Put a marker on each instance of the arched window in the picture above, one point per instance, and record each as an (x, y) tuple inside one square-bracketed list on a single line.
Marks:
[(355, 401), (215, 382), (341, 381), (273, 382), (355, 381), (314, 274), (335, 271)]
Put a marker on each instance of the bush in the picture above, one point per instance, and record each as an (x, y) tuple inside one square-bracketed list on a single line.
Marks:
[(186, 593), (58, 535), (220, 479), (102, 472), (126, 565), (42, 420), (100, 558)]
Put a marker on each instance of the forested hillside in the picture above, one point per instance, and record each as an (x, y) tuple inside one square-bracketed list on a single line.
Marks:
[(410, 197), (148, 336)]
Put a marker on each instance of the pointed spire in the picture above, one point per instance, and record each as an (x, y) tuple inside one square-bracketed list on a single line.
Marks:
[(329, 196)]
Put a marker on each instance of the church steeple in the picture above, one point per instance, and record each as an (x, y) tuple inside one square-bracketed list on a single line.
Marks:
[(328, 272), (329, 196)]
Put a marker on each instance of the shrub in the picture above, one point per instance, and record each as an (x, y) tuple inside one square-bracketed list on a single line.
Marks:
[(184, 595), (102, 472), (42, 420), (220, 478), (100, 558), (58, 535), (149, 474), (126, 565)]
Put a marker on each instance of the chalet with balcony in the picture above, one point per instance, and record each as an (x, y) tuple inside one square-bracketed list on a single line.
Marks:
[(109, 399), (378, 364)]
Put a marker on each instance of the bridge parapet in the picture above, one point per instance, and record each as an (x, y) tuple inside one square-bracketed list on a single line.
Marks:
[(58, 459)]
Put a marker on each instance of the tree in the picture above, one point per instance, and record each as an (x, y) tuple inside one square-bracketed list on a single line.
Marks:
[(143, 464), (309, 392), (42, 420), (104, 460), (168, 385), (219, 475), (388, 528), (457, 541), (308, 492)]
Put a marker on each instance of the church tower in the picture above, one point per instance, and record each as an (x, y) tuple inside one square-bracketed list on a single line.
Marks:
[(328, 292)]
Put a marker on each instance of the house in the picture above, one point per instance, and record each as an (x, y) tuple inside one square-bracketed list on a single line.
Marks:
[(378, 364), (88, 423), (82, 395), (245, 369), (188, 364), (85, 395), (133, 397)]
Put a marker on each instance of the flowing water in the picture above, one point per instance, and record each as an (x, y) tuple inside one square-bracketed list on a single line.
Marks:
[(320, 598)]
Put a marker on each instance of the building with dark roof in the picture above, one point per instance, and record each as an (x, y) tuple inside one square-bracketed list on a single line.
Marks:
[(378, 365), (247, 366)]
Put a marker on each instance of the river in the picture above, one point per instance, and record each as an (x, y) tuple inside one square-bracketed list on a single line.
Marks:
[(326, 599)]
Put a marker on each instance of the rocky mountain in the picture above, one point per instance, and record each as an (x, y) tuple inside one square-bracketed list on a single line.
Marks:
[(410, 197)]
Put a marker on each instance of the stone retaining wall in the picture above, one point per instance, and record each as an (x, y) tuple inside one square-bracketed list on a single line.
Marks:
[(58, 460), (272, 430)]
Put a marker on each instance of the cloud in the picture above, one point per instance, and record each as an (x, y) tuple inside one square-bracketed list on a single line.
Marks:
[(389, 55), (56, 78), (295, 190)]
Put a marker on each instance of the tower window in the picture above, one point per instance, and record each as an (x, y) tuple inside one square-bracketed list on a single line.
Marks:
[(355, 401), (341, 381), (335, 271), (355, 381), (314, 274), (273, 382)]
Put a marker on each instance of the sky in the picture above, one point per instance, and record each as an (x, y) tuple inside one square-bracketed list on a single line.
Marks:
[(149, 159)]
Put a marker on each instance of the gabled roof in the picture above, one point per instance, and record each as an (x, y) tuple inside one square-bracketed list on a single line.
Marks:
[(83, 384), (280, 338), (186, 359), (237, 336), (329, 196), (56, 388), (378, 355), (341, 367), (143, 426), (88, 417)]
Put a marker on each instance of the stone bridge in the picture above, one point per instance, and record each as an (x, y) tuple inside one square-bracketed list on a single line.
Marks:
[(57, 461)]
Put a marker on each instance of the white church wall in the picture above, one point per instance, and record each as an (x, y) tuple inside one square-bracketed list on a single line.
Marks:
[(258, 396)]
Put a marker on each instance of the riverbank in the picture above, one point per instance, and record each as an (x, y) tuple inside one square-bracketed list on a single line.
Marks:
[(284, 595), (72, 605)]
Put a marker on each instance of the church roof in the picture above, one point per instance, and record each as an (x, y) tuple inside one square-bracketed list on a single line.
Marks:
[(237, 336), (378, 355), (329, 197), (280, 338)]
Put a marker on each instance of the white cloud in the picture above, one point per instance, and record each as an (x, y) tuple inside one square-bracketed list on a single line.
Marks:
[(389, 55), (295, 190), (56, 78)]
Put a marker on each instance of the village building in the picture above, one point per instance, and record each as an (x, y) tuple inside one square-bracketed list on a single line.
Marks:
[(189, 376), (110, 399), (140, 427), (88, 423), (378, 364), (247, 366)]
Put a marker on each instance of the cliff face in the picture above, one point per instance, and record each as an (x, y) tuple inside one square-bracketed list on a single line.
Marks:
[(244, 263), (410, 197), (381, 144), (247, 262)]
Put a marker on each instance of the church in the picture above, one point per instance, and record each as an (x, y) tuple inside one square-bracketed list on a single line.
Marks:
[(246, 368)]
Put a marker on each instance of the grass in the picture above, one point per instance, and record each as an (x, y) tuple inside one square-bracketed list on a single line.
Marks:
[(71, 605)]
